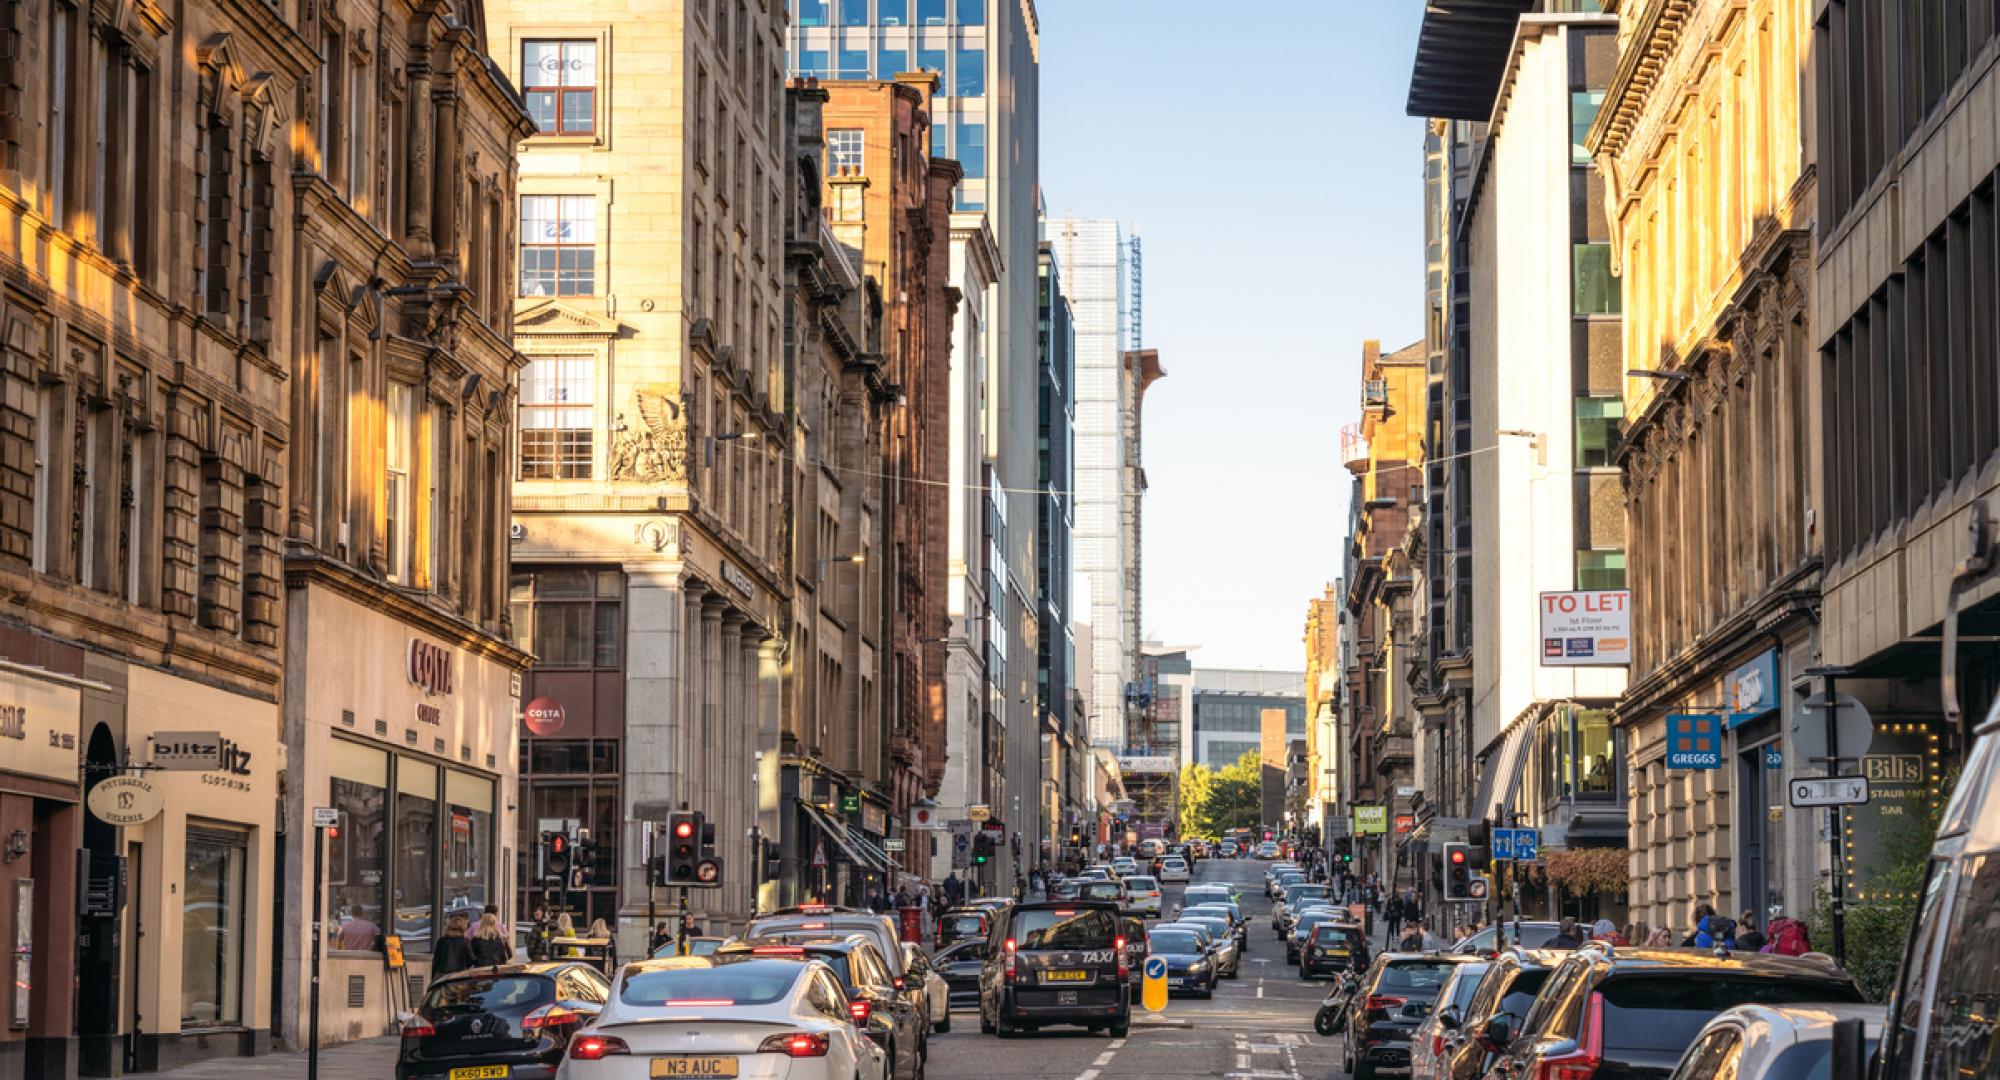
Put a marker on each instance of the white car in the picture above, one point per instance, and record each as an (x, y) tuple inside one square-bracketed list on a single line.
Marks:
[(1173, 868), (1124, 866), (747, 1017), (1142, 896), (937, 992)]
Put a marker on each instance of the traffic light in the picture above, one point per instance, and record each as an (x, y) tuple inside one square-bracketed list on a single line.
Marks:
[(982, 849), (1075, 836), (556, 856), (683, 847), (1457, 871), (1343, 849), (774, 858)]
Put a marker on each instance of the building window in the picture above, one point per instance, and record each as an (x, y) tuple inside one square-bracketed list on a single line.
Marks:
[(843, 151), (568, 617), (559, 84), (971, 72), (812, 12), (212, 929), (1583, 106), (1598, 420), (558, 245), (414, 839), (356, 865), (575, 779), (892, 12), (558, 417), (1596, 290), (930, 12), (972, 149), (854, 12), (972, 12), (402, 425), (813, 63), (853, 61), (1596, 756), (1600, 569), (932, 60), (468, 844)]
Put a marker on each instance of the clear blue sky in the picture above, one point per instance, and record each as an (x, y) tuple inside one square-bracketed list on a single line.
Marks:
[(1260, 148)]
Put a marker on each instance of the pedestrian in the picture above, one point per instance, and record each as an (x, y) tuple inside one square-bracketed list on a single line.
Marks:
[(1413, 910), (453, 953), (1634, 933), (358, 932), (1701, 914), (538, 935), (1606, 930), (1788, 937), (1748, 937), (954, 889), (1662, 937), (1392, 917), (489, 942), (662, 937), (601, 931), (1565, 935)]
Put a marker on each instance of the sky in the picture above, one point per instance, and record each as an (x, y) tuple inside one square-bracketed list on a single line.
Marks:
[(1265, 159)]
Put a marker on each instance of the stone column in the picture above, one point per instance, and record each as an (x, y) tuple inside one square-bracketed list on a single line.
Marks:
[(769, 668), (728, 778), (702, 759), (656, 632), (417, 204)]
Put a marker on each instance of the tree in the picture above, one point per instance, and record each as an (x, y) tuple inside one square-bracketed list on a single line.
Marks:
[(1197, 784), (1214, 801)]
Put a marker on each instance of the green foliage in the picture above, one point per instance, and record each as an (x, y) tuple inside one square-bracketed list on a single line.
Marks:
[(1879, 927), (1212, 801)]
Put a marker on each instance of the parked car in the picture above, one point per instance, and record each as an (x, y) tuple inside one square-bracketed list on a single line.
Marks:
[(1173, 868), (1142, 895), (963, 923), (1945, 993), (1430, 1044), (1633, 1012), (1334, 946), (887, 1015), (1191, 964), (918, 971), (1395, 996), (959, 964), (1228, 954), (516, 1021), (1521, 934), (1764, 1042), (727, 1015), (1508, 988), (1056, 963)]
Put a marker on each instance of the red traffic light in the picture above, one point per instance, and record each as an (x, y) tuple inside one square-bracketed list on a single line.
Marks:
[(1458, 856), (683, 829), (558, 843)]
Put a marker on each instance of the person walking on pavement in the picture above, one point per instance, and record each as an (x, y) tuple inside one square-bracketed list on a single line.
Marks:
[(489, 943), (954, 890), (1392, 915)]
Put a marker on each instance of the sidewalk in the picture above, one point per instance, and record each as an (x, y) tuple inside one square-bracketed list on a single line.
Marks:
[(369, 1058)]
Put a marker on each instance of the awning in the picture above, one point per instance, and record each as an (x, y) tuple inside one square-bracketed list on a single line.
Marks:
[(1597, 830), (1502, 774), (872, 852), (1462, 50), (838, 832)]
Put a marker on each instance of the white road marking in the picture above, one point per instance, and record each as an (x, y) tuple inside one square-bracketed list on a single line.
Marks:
[(1103, 1059), (1260, 988), (1242, 1061), (1117, 1044), (1087, 1074), (1265, 1048)]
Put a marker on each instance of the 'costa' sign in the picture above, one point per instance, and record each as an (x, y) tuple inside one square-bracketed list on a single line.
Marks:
[(430, 666)]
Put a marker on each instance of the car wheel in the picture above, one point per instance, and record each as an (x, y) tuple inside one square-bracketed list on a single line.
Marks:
[(1364, 1071), (985, 1023), (1003, 1028), (1121, 1028), (943, 1027)]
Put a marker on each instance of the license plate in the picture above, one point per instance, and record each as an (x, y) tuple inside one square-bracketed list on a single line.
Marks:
[(692, 1065), (1065, 976), (1065, 997), (480, 1072)]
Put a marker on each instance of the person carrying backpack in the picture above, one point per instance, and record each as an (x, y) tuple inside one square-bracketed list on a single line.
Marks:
[(1788, 937)]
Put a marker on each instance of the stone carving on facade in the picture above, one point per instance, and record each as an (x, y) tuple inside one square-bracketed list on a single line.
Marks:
[(656, 449)]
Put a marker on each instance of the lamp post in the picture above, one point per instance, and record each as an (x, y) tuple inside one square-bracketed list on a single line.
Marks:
[(856, 558), (708, 452)]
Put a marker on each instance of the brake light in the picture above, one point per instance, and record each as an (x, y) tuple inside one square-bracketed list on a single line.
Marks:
[(1118, 943), (596, 1047), (777, 950), (899, 982), (1382, 1001), (812, 926), (418, 1029), (695, 1003), (1582, 1062), (550, 1016), (1008, 966), (798, 1044), (1059, 911), (860, 1009)]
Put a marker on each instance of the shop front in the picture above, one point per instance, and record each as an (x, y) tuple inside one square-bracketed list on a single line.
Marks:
[(409, 734), (200, 922), (40, 722)]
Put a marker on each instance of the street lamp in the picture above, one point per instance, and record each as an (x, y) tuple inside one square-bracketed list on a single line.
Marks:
[(1657, 373), (708, 454), (819, 575)]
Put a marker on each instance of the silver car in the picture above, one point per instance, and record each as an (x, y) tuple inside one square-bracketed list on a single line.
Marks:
[(1228, 954), (1770, 1042)]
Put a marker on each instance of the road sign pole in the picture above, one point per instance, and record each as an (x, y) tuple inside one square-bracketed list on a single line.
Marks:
[(318, 887), (1835, 843)]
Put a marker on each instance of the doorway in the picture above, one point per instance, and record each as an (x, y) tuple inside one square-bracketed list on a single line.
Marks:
[(1760, 807), (99, 1050)]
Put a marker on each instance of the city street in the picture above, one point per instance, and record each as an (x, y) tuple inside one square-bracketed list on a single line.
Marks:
[(1258, 1027)]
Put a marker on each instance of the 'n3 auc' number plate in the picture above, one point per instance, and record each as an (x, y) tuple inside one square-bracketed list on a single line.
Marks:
[(693, 1065)]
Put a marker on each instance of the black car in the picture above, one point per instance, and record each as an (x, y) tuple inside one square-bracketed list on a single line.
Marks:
[(964, 924), (1056, 963), (1630, 1013), (1395, 995), (958, 964), (1191, 966), (889, 1017), (514, 1021), (1334, 947), (1508, 989)]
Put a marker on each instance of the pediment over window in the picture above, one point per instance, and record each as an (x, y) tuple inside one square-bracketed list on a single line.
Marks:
[(548, 317)]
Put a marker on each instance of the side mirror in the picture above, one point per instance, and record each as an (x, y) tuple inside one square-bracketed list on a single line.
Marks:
[(1449, 1018), (1498, 1033), (1850, 1051)]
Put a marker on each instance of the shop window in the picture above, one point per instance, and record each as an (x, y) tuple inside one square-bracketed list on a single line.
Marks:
[(568, 617), (415, 832), (468, 850), (1596, 755), (560, 757), (24, 950), (212, 929), (356, 862)]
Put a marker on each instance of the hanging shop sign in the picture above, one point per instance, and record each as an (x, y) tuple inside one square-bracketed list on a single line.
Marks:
[(1694, 741), (188, 751), (125, 800), (1591, 628), (1371, 819), (544, 716), (1753, 688)]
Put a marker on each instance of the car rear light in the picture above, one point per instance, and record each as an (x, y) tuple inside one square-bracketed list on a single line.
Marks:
[(1437, 1046), (798, 1044), (860, 1010), (696, 1003), (550, 1016), (1383, 1001), (778, 950), (1582, 1062), (596, 1047), (812, 926), (899, 982), (418, 1029)]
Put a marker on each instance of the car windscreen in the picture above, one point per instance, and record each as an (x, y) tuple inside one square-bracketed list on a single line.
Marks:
[(958, 925), (1215, 925), (1141, 884), (1207, 892), (1415, 978), (1665, 1013), (1467, 985), (1810, 1061), (1295, 893), (1210, 910), (502, 994), (1327, 933), (1309, 921), (1173, 941), (961, 953), (757, 982), (1061, 928), (1174, 863), (1099, 890), (1521, 993)]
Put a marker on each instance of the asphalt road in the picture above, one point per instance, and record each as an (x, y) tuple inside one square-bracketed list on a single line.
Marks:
[(1257, 1027)]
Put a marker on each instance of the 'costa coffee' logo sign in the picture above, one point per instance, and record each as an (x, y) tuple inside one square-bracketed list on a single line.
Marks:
[(430, 666)]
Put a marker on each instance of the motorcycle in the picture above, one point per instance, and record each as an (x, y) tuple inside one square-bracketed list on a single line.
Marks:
[(1332, 1011)]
